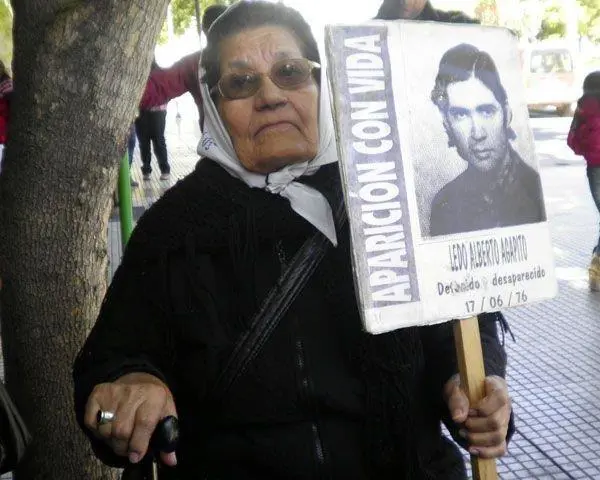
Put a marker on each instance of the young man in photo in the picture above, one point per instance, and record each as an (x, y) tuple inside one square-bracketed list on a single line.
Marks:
[(497, 189)]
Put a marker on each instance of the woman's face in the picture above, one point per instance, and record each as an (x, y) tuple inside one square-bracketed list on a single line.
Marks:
[(275, 127)]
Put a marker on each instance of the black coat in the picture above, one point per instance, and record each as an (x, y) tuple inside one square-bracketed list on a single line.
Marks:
[(323, 399)]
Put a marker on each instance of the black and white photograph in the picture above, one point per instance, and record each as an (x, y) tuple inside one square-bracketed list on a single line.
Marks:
[(474, 165)]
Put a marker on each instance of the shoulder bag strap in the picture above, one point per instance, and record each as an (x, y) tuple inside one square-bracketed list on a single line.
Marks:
[(274, 307)]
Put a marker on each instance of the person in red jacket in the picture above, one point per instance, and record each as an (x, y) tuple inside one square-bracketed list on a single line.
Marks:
[(182, 77), (150, 130), (6, 90), (584, 139)]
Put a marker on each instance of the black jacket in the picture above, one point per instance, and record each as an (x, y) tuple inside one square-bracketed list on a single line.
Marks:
[(323, 399), (428, 14)]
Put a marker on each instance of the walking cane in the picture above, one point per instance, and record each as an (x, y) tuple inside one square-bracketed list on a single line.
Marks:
[(164, 439)]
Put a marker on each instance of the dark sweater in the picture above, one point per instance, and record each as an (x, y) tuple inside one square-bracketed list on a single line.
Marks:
[(323, 399)]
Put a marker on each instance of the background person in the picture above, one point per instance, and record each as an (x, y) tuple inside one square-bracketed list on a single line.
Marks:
[(166, 84), (150, 130), (419, 10), (6, 92), (323, 398), (584, 139), (497, 189)]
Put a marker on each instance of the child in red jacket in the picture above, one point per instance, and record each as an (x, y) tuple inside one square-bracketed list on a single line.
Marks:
[(584, 139)]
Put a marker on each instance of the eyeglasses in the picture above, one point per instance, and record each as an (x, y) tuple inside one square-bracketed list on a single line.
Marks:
[(286, 74)]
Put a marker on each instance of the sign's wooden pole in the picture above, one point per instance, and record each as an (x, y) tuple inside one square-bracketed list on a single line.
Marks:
[(472, 378)]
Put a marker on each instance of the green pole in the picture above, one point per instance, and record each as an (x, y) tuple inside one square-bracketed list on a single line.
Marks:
[(125, 204)]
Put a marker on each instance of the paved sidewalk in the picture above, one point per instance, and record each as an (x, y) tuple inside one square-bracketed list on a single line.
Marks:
[(554, 363), (553, 366)]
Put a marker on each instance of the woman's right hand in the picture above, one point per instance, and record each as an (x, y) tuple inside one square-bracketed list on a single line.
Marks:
[(139, 401)]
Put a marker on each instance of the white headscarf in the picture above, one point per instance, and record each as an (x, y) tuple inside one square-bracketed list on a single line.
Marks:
[(304, 200)]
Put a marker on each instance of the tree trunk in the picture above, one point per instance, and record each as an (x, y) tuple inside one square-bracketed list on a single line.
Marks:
[(79, 70)]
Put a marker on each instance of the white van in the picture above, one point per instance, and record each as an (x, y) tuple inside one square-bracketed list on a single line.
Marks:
[(550, 72)]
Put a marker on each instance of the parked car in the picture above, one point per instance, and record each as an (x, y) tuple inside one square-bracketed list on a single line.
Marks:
[(550, 71)]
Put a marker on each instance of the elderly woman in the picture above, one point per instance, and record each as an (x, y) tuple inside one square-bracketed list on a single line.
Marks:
[(321, 398)]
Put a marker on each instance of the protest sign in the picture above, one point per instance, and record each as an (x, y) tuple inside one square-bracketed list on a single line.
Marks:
[(444, 197)]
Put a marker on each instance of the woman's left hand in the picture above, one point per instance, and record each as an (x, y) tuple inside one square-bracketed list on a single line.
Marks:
[(483, 425)]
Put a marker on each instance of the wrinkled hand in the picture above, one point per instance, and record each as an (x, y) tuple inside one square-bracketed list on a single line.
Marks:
[(484, 425), (139, 401)]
